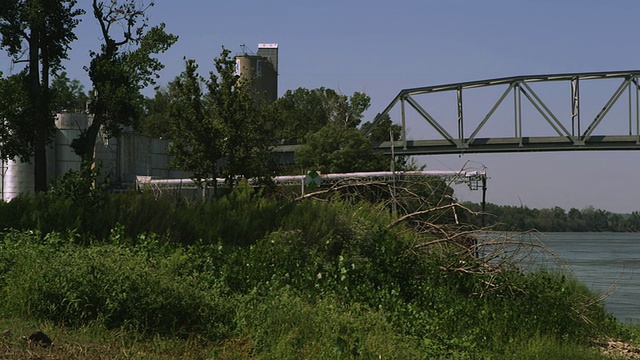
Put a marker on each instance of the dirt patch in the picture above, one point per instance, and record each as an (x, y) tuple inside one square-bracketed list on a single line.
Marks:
[(619, 348)]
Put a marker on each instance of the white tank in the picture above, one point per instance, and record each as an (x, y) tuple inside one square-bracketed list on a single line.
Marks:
[(18, 176), (18, 179), (106, 154), (69, 127)]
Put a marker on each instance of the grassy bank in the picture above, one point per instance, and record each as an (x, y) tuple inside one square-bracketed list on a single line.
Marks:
[(251, 276)]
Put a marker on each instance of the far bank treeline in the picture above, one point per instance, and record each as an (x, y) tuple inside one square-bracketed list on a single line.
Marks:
[(523, 218)]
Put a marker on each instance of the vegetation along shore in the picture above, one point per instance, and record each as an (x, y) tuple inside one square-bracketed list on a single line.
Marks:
[(268, 274)]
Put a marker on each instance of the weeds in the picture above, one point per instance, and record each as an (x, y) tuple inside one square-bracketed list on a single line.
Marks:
[(260, 277)]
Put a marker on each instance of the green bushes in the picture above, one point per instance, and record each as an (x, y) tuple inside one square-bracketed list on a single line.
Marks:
[(292, 279), (112, 285), (239, 218), (283, 325)]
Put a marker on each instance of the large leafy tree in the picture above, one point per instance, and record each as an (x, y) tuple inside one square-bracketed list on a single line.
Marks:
[(224, 131), (124, 65), (155, 121), (67, 95), (16, 134), (386, 130), (303, 112), (41, 31), (196, 143), (246, 123), (327, 123), (347, 111), (339, 149)]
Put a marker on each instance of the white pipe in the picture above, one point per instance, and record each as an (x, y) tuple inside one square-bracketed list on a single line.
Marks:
[(289, 178)]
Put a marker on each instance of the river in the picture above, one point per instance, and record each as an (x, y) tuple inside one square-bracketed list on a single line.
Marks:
[(603, 261)]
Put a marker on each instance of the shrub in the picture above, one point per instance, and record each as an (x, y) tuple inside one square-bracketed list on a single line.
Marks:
[(327, 277), (283, 325), (114, 286)]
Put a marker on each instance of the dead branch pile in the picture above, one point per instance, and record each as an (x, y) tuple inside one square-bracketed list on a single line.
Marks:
[(427, 207)]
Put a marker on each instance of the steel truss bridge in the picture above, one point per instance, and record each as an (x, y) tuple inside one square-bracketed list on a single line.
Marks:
[(575, 132)]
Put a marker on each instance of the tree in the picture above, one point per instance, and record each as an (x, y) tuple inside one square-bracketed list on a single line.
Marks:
[(632, 223), (123, 66), (333, 141), (346, 111), (338, 149), (223, 132), (596, 219), (42, 30), (196, 144), (303, 112), (16, 134), (327, 123), (552, 219), (246, 123), (67, 95), (575, 221), (155, 121), (385, 130)]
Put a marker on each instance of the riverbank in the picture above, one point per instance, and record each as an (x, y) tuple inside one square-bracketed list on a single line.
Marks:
[(281, 278), (97, 343)]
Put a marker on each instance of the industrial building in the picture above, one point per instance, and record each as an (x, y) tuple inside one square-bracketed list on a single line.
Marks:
[(131, 156), (122, 159)]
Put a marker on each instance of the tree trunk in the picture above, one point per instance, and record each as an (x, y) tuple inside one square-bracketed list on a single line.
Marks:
[(40, 118), (40, 166), (44, 118), (89, 140), (89, 146)]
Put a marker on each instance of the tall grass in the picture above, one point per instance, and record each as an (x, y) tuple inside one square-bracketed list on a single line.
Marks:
[(135, 287), (241, 217), (285, 279)]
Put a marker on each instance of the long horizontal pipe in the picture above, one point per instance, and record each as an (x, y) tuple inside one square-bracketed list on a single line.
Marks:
[(288, 178)]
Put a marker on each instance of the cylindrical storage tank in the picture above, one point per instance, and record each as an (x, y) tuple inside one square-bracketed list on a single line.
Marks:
[(160, 158), (263, 76), (69, 128), (18, 179), (106, 154), (245, 66)]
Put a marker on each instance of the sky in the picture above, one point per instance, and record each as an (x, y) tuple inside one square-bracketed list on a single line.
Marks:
[(381, 47)]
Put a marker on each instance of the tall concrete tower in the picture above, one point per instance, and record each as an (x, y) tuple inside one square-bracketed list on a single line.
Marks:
[(269, 51), (262, 69)]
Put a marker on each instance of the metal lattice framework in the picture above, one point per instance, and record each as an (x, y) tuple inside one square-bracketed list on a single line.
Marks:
[(573, 136)]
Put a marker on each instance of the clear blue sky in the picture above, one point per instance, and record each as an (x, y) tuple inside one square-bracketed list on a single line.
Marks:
[(380, 47)]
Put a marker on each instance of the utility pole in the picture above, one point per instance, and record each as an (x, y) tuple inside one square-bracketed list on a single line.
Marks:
[(484, 200), (394, 205)]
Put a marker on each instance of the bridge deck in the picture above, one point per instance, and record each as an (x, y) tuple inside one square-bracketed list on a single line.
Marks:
[(512, 144), (493, 145)]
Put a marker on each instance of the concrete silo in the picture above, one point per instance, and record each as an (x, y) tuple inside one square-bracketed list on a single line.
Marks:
[(69, 127), (18, 178), (262, 70)]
